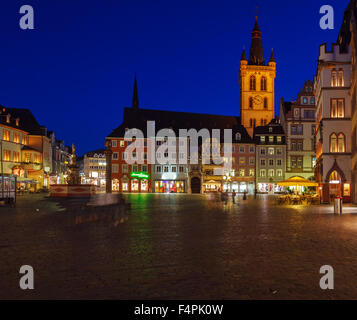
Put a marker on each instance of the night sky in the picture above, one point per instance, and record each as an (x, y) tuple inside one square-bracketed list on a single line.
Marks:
[(75, 71)]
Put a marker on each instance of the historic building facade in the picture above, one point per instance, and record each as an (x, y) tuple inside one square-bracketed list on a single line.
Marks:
[(94, 167), (270, 157), (13, 139), (333, 120), (298, 121), (257, 85)]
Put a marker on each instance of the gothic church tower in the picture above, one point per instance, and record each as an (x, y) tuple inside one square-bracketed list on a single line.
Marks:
[(256, 80)]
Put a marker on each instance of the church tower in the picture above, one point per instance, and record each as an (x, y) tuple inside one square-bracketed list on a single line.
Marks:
[(256, 80)]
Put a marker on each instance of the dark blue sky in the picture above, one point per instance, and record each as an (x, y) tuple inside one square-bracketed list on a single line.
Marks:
[(75, 70)]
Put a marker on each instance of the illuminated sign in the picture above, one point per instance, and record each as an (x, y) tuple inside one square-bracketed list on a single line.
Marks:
[(139, 175)]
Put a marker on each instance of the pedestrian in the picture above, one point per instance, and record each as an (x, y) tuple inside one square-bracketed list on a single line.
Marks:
[(226, 197), (234, 196)]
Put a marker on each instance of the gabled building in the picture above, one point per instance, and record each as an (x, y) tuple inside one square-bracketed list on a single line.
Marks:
[(298, 120), (270, 157), (94, 165)]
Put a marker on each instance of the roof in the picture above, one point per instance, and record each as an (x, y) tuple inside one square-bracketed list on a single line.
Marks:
[(92, 153), (27, 121), (256, 54), (137, 118)]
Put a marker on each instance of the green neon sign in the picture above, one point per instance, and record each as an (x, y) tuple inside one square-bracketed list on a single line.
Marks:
[(139, 175)]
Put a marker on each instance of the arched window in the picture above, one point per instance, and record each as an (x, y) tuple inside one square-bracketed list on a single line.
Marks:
[(253, 83), (251, 103), (334, 78), (265, 103), (238, 136), (341, 143), (335, 177), (263, 84), (333, 142)]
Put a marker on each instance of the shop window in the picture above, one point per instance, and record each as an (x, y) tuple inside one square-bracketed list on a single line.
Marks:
[(346, 189), (134, 185), (125, 186)]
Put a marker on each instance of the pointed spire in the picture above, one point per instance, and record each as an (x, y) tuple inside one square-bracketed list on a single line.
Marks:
[(244, 57), (256, 54), (135, 103), (272, 58)]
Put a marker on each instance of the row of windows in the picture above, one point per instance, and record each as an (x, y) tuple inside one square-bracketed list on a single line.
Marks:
[(271, 173), (306, 100), (159, 169), (253, 83), (16, 137), (270, 139), (271, 162), (271, 151), (125, 168)]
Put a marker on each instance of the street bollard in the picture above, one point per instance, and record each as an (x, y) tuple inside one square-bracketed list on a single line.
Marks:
[(338, 206)]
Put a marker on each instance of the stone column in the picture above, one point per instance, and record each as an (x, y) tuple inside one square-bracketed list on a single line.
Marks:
[(108, 174)]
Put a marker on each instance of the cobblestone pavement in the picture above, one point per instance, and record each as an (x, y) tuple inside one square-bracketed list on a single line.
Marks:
[(178, 247)]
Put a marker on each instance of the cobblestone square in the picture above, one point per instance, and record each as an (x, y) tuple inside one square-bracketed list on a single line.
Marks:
[(175, 246)]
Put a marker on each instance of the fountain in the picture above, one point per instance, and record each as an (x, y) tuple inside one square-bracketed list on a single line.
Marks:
[(73, 188)]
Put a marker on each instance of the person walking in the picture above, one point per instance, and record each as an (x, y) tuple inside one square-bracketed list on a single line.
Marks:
[(234, 196)]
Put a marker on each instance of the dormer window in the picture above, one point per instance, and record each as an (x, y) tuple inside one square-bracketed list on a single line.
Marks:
[(270, 129), (8, 118), (17, 122), (238, 136), (304, 100)]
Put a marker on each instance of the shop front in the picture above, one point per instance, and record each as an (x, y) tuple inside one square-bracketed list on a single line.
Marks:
[(212, 186), (239, 187), (269, 188), (336, 187), (169, 186)]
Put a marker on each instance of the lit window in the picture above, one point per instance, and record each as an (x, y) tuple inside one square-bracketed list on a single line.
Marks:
[(337, 108), (271, 151), (340, 78), (6, 135), (341, 142), (333, 143), (271, 173), (262, 172), (334, 78)]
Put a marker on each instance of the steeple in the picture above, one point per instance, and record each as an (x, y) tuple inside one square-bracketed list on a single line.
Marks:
[(244, 57), (135, 103), (256, 54), (272, 58)]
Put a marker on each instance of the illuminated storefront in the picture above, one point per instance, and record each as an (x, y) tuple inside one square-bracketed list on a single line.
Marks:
[(269, 188), (169, 186)]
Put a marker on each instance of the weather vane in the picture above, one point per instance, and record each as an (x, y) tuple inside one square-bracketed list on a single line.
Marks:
[(256, 11)]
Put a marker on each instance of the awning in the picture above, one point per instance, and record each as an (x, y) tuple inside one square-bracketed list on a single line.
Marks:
[(297, 182)]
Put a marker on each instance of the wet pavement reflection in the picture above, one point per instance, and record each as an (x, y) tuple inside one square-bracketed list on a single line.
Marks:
[(172, 246)]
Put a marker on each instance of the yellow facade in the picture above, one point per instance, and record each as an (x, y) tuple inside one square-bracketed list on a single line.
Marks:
[(257, 106)]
